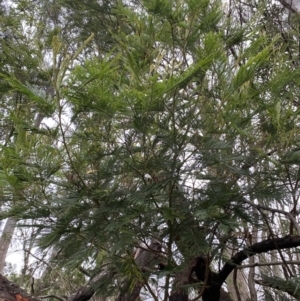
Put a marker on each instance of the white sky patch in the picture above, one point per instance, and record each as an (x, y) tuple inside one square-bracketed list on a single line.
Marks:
[(295, 4)]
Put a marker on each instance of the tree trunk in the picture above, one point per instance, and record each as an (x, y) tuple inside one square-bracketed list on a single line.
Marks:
[(182, 279), (236, 283), (5, 240), (145, 259)]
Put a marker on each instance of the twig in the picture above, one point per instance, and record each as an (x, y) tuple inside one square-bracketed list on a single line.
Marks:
[(84, 271), (238, 295), (52, 296), (288, 214), (256, 264)]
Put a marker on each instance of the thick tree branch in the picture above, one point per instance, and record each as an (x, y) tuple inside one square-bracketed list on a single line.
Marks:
[(214, 281), (83, 294), (289, 241), (87, 291), (12, 292), (182, 279)]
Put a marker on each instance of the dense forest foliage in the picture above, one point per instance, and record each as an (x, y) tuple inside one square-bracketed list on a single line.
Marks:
[(150, 150)]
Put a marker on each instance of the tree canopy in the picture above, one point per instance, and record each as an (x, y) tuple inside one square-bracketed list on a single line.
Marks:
[(152, 147)]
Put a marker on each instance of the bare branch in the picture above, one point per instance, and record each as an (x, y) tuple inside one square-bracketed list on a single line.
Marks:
[(258, 264), (289, 5), (288, 214)]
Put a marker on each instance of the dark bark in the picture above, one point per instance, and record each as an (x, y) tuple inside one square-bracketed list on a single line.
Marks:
[(211, 290), (224, 296), (182, 278), (287, 242), (131, 295), (214, 281), (82, 294), (179, 297), (12, 292)]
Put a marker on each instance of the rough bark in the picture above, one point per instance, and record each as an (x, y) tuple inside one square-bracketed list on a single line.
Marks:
[(12, 292), (83, 294)]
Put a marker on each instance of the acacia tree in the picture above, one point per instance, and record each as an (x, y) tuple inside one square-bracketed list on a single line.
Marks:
[(23, 64), (164, 145), (26, 46)]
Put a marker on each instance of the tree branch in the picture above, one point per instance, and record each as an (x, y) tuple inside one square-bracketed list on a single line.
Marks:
[(52, 296), (260, 264), (288, 214), (288, 5), (289, 241), (12, 292)]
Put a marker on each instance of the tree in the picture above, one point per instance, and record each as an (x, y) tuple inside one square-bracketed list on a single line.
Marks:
[(23, 64), (178, 142), (29, 65)]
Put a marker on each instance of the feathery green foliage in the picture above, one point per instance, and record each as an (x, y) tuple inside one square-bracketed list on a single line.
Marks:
[(162, 119)]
